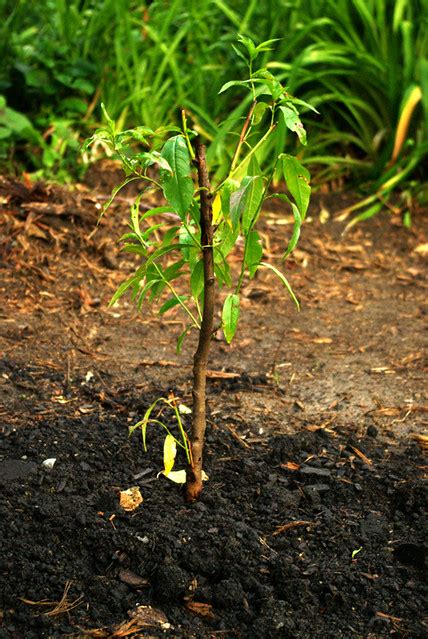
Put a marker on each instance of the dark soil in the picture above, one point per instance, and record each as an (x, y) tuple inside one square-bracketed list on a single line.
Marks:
[(313, 521)]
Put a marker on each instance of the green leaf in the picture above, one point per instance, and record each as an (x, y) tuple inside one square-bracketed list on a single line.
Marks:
[(189, 249), (222, 273), (293, 122), (407, 220), (131, 281), (139, 133), (151, 230), (296, 231), (110, 122), (297, 179), (356, 551), (365, 215), (153, 157), (224, 240), (170, 235), (178, 185), (229, 187), (173, 301), (253, 252), (197, 279), (182, 336), (156, 211), (266, 45), (135, 249), (245, 203), (230, 316), (259, 111), (239, 53), (135, 217), (302, 103), (273, 86), (236, 83), (249, 45), (283, 280), (115, 191)]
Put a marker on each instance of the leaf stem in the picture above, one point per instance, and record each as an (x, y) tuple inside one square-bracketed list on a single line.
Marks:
[(177, 297)]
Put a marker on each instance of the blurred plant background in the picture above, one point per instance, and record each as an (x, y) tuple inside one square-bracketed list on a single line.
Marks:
[(362, 63)]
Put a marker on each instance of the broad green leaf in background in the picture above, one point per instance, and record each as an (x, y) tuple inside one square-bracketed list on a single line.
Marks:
[(230, 316), (293, 122), (297, 179), (253, 252), (178, 185)]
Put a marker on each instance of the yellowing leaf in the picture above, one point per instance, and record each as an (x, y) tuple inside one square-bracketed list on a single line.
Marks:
[(131, 498), (422, 249), (169, 453), (217, 209), (184, 410), (177, 476)]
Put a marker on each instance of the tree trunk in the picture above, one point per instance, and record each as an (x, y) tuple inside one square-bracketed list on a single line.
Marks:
[(200, 360)]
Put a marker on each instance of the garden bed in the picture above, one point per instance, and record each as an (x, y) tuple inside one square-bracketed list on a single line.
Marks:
[(312, 521)]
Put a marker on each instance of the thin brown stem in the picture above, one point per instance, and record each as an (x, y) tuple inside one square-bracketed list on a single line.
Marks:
[(243, 135), (200, 360)]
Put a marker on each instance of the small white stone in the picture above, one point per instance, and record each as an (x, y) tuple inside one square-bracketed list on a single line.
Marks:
[(49, 463)]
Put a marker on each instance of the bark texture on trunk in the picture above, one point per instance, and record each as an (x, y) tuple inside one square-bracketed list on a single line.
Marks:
[(200, 360)]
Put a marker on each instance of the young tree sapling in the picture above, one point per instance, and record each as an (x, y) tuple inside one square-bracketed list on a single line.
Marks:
[(208, 222)]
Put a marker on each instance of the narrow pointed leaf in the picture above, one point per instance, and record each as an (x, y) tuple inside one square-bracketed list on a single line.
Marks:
[(181, 338), (283, 280), (253, 252), (296, 231), (116, 190), (197, 279), (235, 83), (171, 303)]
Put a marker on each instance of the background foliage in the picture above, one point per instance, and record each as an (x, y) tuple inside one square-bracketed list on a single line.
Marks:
[(361, 63)]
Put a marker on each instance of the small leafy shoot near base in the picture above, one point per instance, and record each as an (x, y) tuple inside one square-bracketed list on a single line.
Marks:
[(185, 245)]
